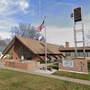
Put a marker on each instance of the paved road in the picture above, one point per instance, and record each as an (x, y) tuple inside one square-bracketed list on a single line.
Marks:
[(86, 82)]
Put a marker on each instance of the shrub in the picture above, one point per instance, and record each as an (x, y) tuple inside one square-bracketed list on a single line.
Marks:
[(55, 66)]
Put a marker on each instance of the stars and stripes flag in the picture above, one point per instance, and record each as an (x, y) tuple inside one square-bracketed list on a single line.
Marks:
[(41, 26)]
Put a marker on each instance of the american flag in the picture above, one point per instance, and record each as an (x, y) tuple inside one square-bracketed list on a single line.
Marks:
[(41, 26)]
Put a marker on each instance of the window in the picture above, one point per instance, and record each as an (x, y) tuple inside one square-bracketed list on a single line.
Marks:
[(68, 53), (23, 51), (80, 54), (88, 54)]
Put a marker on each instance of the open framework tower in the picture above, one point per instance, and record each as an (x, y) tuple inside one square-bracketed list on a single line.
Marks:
[(77, 18)]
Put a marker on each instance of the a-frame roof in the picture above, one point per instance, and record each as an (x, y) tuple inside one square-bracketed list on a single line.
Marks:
[(35, 46)]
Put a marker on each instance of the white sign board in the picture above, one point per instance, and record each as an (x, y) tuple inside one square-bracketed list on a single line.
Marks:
[(68, 63)]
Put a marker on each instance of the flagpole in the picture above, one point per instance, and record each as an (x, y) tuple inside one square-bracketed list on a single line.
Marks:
[(45, 43)]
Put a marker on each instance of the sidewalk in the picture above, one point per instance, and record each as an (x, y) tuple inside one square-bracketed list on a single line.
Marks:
[(85, 82)]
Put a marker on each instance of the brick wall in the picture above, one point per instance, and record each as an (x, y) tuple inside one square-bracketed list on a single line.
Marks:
[(26, 65), (80, 65), (22, 65)]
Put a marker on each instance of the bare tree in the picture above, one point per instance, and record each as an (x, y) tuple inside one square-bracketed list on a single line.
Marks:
[(61, 46), (27, 30)]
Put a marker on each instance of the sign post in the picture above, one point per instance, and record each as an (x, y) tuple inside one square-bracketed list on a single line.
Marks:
[(77, 17)]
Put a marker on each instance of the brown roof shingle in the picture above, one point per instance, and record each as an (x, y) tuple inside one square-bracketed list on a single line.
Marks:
[(37, 47)]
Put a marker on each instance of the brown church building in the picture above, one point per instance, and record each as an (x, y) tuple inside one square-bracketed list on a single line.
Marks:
[(31, 49)]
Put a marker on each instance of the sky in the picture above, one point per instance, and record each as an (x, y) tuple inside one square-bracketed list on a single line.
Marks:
[(58, 23)]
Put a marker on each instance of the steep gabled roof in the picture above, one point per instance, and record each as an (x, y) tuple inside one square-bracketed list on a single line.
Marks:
[(35, 46)]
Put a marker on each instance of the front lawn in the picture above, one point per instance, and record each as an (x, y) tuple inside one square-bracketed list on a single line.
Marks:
[(75, 75), (12, 80)]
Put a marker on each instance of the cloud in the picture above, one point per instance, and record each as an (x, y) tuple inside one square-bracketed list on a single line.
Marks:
[(7, 23), (5, 35), (23, 5), (59, 36), (86, 22), (56, 35), (7, 9)]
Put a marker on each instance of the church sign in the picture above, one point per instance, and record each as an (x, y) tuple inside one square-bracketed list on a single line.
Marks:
[(77, 14), (68, 63)]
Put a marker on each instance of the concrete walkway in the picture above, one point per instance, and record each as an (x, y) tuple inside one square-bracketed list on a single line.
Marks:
[(85, 82)]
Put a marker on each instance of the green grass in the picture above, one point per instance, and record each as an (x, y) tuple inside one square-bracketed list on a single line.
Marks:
[(12, 80), (75, 75)]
